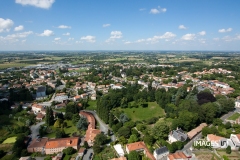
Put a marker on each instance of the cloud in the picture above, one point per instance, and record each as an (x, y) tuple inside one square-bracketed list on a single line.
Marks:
[(15, 37), (127, 42), (19, 28), (158, 10), (216, 39), (23, 41), (5, 25), (202, 33), (167, 36), (202, 40), (225, 30), (142, 9), (66, 34), (114, 35), (188, 37), (45, 4), (227, 38), (57, 39), (64, 27), (70, 39), (47, 33), (182, 27), (140, 40), (89, 39), (106, 25)]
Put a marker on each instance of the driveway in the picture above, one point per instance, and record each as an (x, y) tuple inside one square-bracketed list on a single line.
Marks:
[(35, 129), (86, 156)]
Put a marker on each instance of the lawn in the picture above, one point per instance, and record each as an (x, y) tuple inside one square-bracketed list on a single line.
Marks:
[(10, 140), (67, 157), (70, 128), (234, 116), (234, 155), (140, 113), (92, 105)]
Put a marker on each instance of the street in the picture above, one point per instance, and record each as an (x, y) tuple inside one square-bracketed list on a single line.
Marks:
[(35, 129), (86, 156)]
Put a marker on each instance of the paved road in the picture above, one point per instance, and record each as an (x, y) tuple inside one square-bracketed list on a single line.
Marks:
[(103, 127), (35, 129), (86, 156), (224, 117)]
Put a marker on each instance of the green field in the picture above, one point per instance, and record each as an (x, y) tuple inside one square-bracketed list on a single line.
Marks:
[(234, 116), (10, 140), (70, 128), (12, 64), (92, 105), (140, 113)]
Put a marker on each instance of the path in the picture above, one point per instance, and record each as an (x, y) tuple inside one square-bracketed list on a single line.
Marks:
[(35, 129)]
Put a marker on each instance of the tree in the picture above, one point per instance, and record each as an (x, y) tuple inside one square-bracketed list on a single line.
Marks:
[(58, 123), (49, 116), (123, 118), (228, 150), (96, 148), (124, 131), (86, 145), (205, 97), (134, 155), (82, 123), (60, 133), (19, 145), (160, 131), (69, 151), (133, 138), (122, 140), (2, 153), (75, 118), (148, 139), (100, 139)]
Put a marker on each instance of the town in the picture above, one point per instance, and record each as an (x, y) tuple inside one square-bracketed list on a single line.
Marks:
[(119, 106)]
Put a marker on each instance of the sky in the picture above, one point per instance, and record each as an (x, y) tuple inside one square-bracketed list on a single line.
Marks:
[(120, 25)]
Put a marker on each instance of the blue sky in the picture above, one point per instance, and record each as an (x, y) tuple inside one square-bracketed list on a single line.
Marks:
[(119, 25)]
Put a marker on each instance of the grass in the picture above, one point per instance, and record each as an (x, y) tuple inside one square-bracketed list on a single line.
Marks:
[(10, 140), (6, 147), (70, 128), (67, 157), (92, 105), (107, 153), (12, 64), (79, 70), (234, 116), (234, 155), (140, 113), (8, 157)]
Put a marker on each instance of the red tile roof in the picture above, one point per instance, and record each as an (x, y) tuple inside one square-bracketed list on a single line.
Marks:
[(62, 142)]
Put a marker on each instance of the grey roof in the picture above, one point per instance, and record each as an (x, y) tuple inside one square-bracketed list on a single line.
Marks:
[(161, 150), (41, 89), (179, 135)]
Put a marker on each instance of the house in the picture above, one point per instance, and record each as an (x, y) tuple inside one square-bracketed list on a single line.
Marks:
[(37, 145), (216, 140), (160, 153), (59, 156), (41, 91), (25, 158), (139, 147), (237, 104), (91, 132), (196, 130), (81, 151), (61, 105), (120, 158), (119, 149), (38, 109), (94, 97), (77, 97), (39, 116), (235, 139), (84, 96), (58, 145), (177, 135), (177, 156)]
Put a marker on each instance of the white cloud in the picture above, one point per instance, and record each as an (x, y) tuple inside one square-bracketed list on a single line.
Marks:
[(140, 40), (127, 42), (64, 27), (216, 39), (202, 40), (89, 38), (23, 41), (70, 39), (142, 9), (182, 27), (227, 38), (116, 34), (188, 37), (106, 25), (45, 4), (225, 30), (167, 36), (47, 33), (5, 25), (15, 37), (19, 28), (202, 33), (66, 34), (158, 10), (57, 39)]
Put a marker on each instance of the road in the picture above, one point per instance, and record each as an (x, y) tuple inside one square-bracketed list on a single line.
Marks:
[(199, 136), (86, 156), (103, 127), (35, 129)]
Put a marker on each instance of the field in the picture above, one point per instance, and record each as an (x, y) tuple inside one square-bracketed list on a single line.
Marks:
[(234, 116), (92, 105), (203, 155), (12, 64), (233, 156), (9, 140), (139, 114)]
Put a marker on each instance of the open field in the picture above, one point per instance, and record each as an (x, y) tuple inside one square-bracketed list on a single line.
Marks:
[(92, 105), (234, 116), (70, 128), (140, 113), (12, 64), (204, 155), (10, 140), (233, 156)]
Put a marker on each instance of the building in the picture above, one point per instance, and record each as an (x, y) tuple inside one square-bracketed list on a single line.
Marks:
[(58, 145), (37, 145), (81, 151), (216, 140), (41, 92), (177, 135), (235, 139), (196, 130), (39, 116), (237, 104), (120, 158), (139, 147), (119, 149), (177, 156), (91, 132), (160, 153)]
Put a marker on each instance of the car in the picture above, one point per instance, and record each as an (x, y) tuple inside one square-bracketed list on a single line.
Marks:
[(90, 156)]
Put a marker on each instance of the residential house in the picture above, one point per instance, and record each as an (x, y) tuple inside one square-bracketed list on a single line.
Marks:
[(177, 156), (120, 158), (40, 116), (160, 153), (37, 145), (93, 97), (119, 149), (61, 105), (38, 109), (196, 130), (237, 104), (58, 145), (216, 140), (81, 151), (177, 135), (77, 97), (139, 147), (235, 139)]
